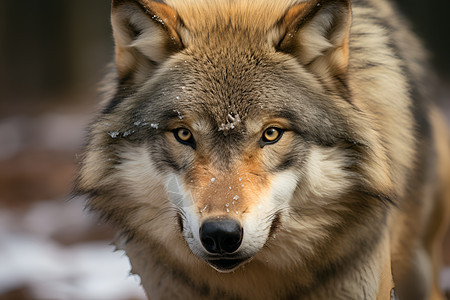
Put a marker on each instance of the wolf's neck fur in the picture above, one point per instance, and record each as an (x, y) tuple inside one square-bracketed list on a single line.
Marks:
[(165, 276)]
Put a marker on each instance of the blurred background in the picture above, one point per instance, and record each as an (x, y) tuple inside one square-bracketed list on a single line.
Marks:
[(53, 53)]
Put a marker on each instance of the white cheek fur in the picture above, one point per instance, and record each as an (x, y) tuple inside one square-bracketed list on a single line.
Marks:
[(138, 172), (182, 198), (326, 176)]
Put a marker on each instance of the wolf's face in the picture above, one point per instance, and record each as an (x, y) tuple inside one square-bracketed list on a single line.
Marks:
[(233, 149), (235, 135)]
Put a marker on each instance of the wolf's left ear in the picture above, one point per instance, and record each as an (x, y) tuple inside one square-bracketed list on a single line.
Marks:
[(146, 33), (317, 34)]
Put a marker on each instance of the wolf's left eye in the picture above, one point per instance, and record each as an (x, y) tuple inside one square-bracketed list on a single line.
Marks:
[(184, 136), (270, 136)]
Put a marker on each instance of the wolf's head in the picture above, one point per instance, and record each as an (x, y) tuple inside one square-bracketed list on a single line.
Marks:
[(232, 125)]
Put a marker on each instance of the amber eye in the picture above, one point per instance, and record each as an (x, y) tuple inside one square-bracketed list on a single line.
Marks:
[(184, 136), (270, 136)]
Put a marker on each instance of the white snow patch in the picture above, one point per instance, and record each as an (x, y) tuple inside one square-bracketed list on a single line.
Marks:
[(30, 257), (128, 132), (51, 271), (180, 116), (232, 122), (113, 134)]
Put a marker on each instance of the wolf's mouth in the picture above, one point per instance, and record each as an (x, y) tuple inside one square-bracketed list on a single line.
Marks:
[(226, 264)]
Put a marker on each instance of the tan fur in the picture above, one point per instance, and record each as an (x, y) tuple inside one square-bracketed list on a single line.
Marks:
[(440, 217), (350, 202), (221, 193), (386, 282)]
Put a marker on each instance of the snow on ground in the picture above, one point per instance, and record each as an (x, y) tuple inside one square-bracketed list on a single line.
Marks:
[(50, 271), (51, 248), (30, 258)]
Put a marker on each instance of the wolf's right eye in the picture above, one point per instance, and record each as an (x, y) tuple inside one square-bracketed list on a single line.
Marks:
[(270, 136), (184, 136)]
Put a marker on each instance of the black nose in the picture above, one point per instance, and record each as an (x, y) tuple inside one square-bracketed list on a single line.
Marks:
[(221, 236)]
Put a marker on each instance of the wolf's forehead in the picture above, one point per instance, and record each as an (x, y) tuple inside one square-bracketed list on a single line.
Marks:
[(227, 91), (203, 15), (225, 121)]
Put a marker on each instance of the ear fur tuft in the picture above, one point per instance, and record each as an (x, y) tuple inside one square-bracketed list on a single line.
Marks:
[(145, 34), (317, 34)]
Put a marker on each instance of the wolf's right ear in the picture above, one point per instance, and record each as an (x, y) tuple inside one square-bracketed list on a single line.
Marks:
[(316, 32), (146, 33)]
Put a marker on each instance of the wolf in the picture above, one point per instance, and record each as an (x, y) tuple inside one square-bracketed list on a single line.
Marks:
[(256, 149)]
